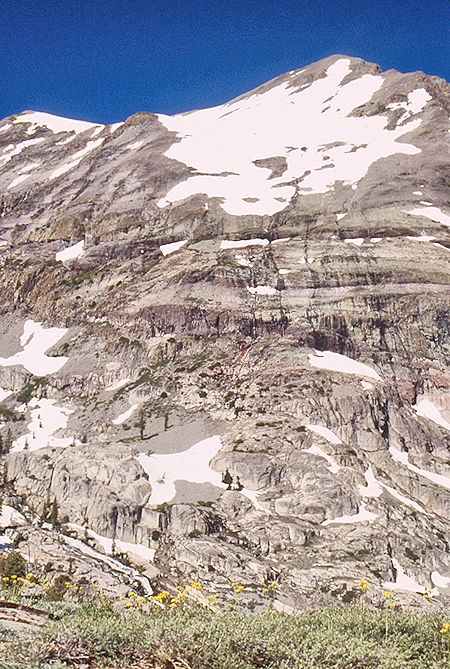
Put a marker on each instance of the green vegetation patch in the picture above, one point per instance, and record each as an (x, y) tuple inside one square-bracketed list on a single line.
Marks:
[(347, 637), (28, 391)]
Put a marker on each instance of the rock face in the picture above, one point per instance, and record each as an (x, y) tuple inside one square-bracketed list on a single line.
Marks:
[(248, 371)]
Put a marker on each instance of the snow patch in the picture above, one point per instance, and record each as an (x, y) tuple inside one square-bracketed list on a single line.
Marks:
[(5, 542), (427, 409), (316, 450), (134, 145), (9, 517), (167, 249), (362, 516), (402, 457), (434, 213), (403, 499), (55, 123), (244, 262), (324, 432), (280, 240), (71, 252), (341, 363), (125, 415), (440, 581), (118, 384), (414, 104), (357, 241), (261, 290), (421, 238), (224, 144), (4, 393), (366, 385), (191, 465), (35, 341), (18, 180), (76, 158), (111, 562), (46, 419), (373, 488), (140, 550), (402, 581), (242, 243), (14, 150)]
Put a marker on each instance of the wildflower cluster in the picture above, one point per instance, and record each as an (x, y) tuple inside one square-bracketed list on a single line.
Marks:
[(34, 588), (270, 587), (133, 600), (428, 594), (392, 601), (445, 629), (28, 584)]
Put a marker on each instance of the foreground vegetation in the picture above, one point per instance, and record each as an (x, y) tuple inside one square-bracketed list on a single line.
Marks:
[(350, 637), (192, 630)]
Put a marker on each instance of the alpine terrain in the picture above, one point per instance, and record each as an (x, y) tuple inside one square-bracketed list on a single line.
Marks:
[(223, 338)]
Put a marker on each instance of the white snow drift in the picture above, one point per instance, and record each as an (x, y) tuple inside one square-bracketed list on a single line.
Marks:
[(191, 465), (341, 363), (363, 516), (46, 419), (434, 213), (71, 252), (402, 457), (35, 341), (427, 409), (55, 123), (310, 128), (402, 581), (125, 415), (167, 249)]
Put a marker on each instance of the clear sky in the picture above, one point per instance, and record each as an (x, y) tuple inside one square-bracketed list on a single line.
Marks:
[(103, 60)]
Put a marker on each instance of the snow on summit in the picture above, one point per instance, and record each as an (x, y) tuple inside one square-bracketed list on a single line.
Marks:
[(54, 123), (309, 130)]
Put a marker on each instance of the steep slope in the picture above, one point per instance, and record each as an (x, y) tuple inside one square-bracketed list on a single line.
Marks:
[(252, 296)]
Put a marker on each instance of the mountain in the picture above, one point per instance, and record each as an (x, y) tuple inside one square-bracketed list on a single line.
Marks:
[(224, 340)]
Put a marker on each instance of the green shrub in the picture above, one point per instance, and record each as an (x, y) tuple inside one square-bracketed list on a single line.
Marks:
[(12, 563)]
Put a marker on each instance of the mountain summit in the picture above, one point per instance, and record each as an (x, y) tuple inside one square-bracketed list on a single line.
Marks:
[(223, 339)]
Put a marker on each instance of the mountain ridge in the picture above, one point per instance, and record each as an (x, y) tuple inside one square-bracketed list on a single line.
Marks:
[(258, 295)]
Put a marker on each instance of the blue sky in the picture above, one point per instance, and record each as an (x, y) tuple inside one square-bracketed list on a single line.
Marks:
[(103, 60)]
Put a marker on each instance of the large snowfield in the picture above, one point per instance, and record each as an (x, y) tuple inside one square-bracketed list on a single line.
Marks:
[(309, 129)]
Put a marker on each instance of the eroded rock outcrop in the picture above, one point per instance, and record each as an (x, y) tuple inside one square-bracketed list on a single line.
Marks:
[(269, 313)]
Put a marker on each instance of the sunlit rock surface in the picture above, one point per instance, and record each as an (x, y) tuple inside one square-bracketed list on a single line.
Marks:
[(223, 336)]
